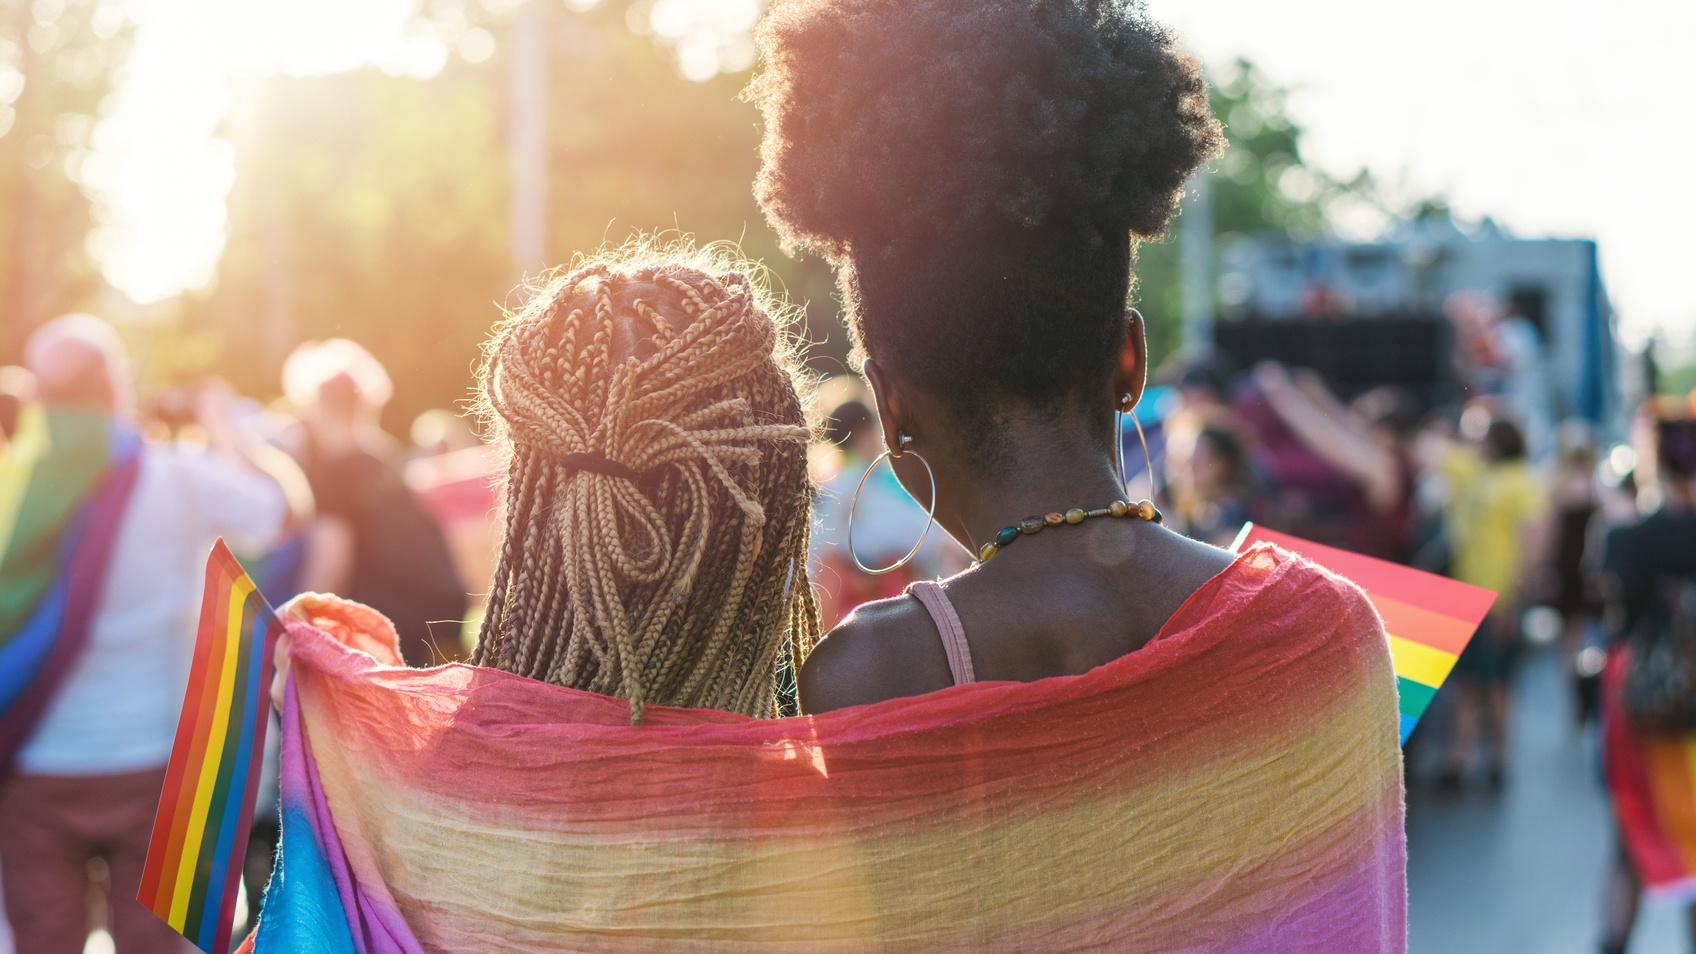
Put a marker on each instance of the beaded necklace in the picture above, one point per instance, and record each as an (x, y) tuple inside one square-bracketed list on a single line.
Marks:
[(1031, 525)]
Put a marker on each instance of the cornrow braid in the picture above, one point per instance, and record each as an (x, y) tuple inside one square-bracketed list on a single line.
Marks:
[(671, 570)]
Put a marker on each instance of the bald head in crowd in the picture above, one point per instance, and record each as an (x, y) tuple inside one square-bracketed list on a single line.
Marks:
[(78, 360)]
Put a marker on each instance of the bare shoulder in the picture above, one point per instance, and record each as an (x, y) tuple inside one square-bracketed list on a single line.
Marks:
[(883, 650), (1194, 563)]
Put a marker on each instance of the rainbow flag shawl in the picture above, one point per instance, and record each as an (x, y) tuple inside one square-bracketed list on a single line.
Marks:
[(205, 809), (1429, 618), (65, 479), (1233, 786)]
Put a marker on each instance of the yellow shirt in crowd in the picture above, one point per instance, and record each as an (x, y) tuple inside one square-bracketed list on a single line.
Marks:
[(1491, 506)]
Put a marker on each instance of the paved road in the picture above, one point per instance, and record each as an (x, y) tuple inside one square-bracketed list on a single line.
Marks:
[(1522, 873)]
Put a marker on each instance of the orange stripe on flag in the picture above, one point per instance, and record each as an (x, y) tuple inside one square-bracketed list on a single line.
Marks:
[(1422, 625), (1674, 795), (196, 761)]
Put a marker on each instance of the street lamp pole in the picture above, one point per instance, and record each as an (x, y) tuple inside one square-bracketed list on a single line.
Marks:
[(529, 136), (1195, 263)]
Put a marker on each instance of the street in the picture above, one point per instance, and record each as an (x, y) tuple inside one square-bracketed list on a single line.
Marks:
[(1522, 873)]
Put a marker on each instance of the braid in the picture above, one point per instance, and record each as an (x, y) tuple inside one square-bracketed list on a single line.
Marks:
[(687, 586)]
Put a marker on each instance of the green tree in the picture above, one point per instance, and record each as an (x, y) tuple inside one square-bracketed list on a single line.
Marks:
[(57, 63)]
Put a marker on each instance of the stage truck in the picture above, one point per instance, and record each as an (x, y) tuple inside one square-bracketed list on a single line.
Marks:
[(1396, 312)]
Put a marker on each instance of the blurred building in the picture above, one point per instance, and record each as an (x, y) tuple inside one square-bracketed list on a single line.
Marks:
[(1368, 313)]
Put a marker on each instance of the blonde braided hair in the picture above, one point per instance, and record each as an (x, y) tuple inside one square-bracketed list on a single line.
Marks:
[(657, 499)]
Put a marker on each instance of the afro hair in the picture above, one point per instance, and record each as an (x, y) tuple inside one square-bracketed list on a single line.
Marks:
[(977, 170), (888, 120)]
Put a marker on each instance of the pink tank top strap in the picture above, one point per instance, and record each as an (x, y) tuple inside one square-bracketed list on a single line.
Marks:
[(935, 602)]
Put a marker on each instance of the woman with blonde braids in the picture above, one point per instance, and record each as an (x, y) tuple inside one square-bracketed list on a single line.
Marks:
[(657, 504), (657, 499)]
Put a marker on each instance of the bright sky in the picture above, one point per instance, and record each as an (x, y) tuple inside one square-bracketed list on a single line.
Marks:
[(1565, 118), (1559, 118)]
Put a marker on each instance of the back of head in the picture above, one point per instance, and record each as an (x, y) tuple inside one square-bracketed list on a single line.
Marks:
[(1575, 446), (336, 376), (1675, 446), (17, 385), (657, 500), (848, 421), (1391, 409), (78, 360), (977, 169), (1504, 441)]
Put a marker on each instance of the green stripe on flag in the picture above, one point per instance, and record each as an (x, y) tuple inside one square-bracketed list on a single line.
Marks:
[(57, 486), (1415, 696)]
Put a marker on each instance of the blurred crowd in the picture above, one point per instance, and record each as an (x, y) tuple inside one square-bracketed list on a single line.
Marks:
[(315, 495)]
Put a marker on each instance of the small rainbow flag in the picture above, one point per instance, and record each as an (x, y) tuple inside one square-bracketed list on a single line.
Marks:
[(1429, 618), (206, 807)]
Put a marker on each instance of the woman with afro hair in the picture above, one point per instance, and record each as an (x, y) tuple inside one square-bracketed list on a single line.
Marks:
[(979, 172)]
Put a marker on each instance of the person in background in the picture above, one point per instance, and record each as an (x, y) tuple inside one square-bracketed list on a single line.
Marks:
[(372, 540), (887, 523), (1212, 494), (440, 431), (457, 478), (1643, 564), (1370, 443), (1568, 576), (86, 781), (17, 385), (1497, 505)]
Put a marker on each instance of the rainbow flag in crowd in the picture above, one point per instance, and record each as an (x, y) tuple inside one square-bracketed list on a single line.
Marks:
[(1235, 785), (1429, 618), (1652, 783), (206, 808), (65, 479)]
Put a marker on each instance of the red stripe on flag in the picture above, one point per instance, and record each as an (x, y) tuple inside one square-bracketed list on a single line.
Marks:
[(1433, 593), (172, 789)]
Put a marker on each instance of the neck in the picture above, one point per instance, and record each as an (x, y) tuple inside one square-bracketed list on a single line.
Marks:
[(335, 434), (1041, 466)]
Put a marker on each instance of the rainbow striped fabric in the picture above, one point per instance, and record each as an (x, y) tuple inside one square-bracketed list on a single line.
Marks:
[(1652, 783), (1429, 618), (65, 480), (1233, 786), (206, 808)]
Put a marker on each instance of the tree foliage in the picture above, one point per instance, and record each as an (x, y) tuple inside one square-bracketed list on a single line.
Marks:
[(1261, 183), (377, 207), (58, 59)]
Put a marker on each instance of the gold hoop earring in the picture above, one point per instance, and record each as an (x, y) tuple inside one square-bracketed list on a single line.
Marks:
[(930, 514)]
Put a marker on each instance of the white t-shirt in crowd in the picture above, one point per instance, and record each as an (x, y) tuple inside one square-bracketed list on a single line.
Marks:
[(117, 711)]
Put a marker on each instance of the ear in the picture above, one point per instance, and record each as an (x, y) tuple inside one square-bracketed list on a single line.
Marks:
[(1132, 373), (892, 407)]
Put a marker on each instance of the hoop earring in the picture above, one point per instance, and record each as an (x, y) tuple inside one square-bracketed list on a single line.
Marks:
[(1119, 444), (930, 515)]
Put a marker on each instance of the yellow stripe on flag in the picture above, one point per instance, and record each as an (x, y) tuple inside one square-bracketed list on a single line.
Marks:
[(214, 745), (1420, 663), (30, 443)]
